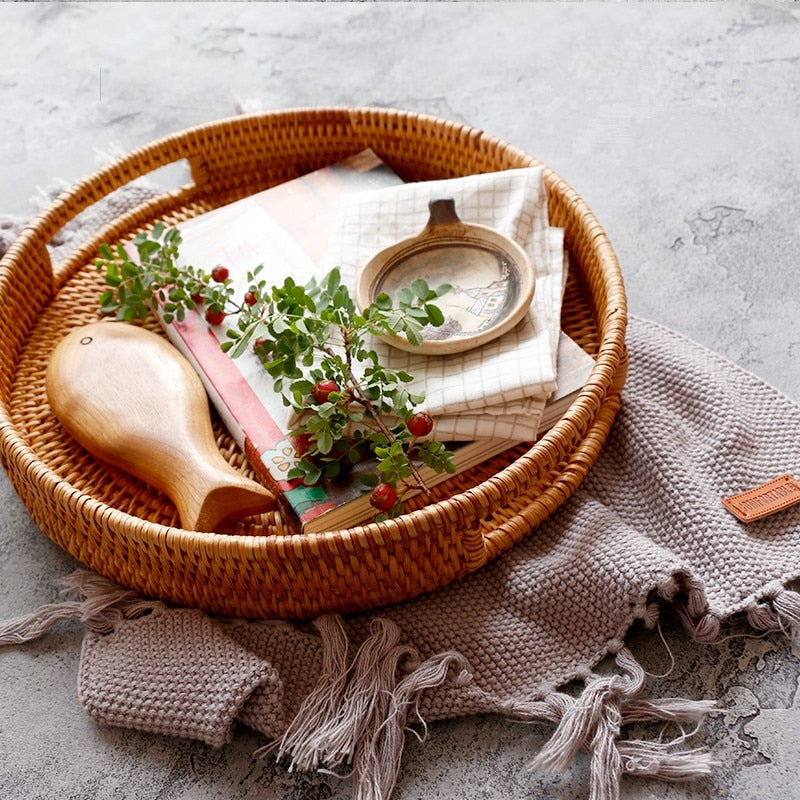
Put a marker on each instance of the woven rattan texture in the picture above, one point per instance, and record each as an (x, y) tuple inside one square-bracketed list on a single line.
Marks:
[(127, 531)]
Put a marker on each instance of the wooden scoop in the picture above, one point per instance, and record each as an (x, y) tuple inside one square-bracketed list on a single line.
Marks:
[(132, 400)]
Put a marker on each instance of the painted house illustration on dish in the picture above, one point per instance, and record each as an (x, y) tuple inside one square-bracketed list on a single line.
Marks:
[(471, 309)]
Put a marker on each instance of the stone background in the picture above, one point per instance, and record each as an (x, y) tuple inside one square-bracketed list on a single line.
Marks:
[(677, 123)]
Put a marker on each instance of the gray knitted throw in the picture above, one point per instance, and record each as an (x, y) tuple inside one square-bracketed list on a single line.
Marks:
[(646, 528)]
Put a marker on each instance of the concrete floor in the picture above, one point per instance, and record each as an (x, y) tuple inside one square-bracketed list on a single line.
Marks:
[(678, 123)]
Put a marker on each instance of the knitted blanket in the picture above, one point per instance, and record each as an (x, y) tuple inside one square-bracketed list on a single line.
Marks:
[(646, 528)]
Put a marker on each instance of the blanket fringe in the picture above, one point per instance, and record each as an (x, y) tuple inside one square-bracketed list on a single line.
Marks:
[(658, 760), (96, 602), (778, 610), (594, 721), (357, 715), (321, 704)]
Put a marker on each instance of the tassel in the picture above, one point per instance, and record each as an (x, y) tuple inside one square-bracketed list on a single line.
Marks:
[(335, 716), (98, 604), (323, 702), (762, 617), (703, 628), (668, 709), (787, 607), (357, 714), (582, 718), (605, 763), (594, 721), (781, 611), (365, 702), (378, 762), (656, 760)]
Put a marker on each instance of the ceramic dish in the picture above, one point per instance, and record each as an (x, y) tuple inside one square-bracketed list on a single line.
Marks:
[(492, 279)]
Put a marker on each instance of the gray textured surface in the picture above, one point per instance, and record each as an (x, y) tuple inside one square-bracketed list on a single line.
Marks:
[(678, 123)]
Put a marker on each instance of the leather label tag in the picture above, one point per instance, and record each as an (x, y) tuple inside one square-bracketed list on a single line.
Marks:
[(761, 501)]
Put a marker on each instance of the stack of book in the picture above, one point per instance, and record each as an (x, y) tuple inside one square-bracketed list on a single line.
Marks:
[(304, 227)]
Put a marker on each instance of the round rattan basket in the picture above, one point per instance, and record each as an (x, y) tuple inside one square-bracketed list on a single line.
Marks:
[(260, 569)]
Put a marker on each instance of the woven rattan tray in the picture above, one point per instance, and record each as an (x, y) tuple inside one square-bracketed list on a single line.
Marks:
[(128, 532)]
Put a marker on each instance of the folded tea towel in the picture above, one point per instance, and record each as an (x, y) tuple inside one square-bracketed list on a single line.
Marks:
[(519, 366), (645, 528)]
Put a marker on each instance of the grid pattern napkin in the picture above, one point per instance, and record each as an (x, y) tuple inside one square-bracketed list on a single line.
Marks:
[(497, 390)]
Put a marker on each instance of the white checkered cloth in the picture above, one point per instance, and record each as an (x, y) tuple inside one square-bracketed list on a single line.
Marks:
[(468, 392)]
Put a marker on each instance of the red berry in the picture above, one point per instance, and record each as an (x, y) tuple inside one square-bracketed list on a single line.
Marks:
[(250, 298), (383, 496), (220, 273), (197, 299), (214, 317), (420, 424), (323, 390)]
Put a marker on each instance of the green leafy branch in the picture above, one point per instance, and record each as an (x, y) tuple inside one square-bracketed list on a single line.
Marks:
[(315, 344)]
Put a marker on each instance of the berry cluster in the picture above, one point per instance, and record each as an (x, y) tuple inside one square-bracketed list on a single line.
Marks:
[(384, 495)]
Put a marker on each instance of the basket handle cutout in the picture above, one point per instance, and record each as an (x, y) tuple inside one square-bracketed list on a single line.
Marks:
[(162, 188)]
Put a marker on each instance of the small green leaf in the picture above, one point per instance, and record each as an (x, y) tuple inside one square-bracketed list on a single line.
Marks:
[(420, 288), (383, 302), (324, 441), (435, 315), (147, 249), (312, 476), (353, 456), (414, 333), (405, 297), (303, 386)]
